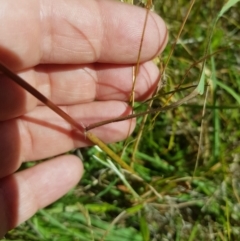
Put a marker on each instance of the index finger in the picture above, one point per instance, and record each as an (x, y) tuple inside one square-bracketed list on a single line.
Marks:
[(76, 32)]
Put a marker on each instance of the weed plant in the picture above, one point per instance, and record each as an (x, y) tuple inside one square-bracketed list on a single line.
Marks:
[(187, 163)]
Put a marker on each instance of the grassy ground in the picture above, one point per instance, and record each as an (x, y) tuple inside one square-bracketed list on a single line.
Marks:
[(188, 158)]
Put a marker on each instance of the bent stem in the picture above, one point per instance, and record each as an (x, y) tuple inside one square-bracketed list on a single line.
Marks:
[(150, 111), (18, 80)]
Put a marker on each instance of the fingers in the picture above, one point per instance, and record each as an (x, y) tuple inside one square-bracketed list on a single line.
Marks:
[(68, 85), (77, 32), (42, 133), (75, 84), (23, 193)]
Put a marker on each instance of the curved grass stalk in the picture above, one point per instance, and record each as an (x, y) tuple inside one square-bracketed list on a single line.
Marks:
[(139, 135), (179, 33), (135, 74), (201, 133), (136, 67), (173, 48)]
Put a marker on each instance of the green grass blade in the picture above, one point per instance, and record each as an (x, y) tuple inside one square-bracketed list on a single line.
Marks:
[(201, 84), (229, 90), (216, 118), (144, 228), (226, 7)]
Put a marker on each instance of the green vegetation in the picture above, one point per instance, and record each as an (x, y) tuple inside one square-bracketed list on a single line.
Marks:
[(188, 157)]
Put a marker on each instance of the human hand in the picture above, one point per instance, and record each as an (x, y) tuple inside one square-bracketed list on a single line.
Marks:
[(80, 55)]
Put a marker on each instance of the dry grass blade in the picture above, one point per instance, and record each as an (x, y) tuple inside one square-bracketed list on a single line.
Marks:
[(136, 68)]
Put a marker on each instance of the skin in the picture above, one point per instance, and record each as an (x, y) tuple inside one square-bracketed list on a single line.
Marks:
[(80, 55)]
